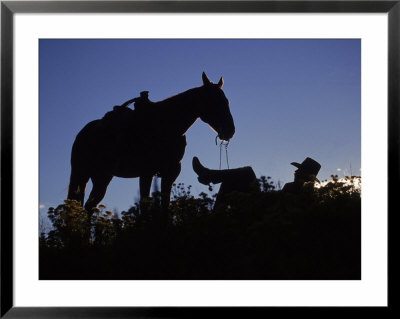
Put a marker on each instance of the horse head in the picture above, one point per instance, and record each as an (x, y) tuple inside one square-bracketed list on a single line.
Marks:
[(215, 109)]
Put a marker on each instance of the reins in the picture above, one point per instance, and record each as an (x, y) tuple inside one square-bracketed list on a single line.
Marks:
[(220, 152)]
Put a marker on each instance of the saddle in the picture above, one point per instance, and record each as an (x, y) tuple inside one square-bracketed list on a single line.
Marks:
[(122, 115)]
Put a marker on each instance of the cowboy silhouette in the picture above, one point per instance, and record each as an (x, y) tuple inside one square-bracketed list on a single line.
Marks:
[(243, 179), (306, 172)]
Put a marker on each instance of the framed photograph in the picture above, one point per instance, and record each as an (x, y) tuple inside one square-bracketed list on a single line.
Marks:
[(180, 158)]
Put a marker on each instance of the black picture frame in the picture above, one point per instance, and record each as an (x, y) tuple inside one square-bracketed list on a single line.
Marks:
[(9, 8)]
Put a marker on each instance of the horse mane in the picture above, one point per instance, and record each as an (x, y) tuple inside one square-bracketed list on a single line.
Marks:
[(177, 98)]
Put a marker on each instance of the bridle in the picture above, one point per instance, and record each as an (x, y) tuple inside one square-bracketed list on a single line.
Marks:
[(220, 151)]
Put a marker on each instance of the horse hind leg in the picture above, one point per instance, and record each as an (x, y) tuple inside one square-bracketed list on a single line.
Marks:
[(144, 187), (98, 192), (77, 186)]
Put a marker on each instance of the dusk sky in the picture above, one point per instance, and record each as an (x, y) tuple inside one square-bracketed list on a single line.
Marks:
[(289, 99)]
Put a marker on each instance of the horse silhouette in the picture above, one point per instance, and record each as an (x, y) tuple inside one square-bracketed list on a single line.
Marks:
[(128, 143)]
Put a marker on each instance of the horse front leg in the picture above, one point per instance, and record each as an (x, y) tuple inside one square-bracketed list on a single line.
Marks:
[(144, 186), (167, 179), (166, 184)]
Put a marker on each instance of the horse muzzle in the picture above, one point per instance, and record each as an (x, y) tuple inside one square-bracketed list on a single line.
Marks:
[(222, 138), (226, 134)]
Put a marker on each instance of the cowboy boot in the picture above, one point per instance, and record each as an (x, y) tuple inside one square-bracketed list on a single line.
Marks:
[(206, 176)]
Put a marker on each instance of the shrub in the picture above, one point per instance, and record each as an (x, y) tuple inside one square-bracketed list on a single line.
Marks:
[(262, 234)]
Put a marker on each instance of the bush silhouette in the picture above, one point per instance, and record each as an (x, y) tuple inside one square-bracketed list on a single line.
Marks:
[(264, 234)]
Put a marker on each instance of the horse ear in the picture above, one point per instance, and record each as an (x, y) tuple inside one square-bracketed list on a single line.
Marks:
[(206, 81), (221, 82)]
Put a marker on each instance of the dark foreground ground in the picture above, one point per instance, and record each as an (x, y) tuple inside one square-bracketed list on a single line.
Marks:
[(266, 235)]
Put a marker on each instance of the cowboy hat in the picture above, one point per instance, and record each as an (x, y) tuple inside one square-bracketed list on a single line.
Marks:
[(308, 166)]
